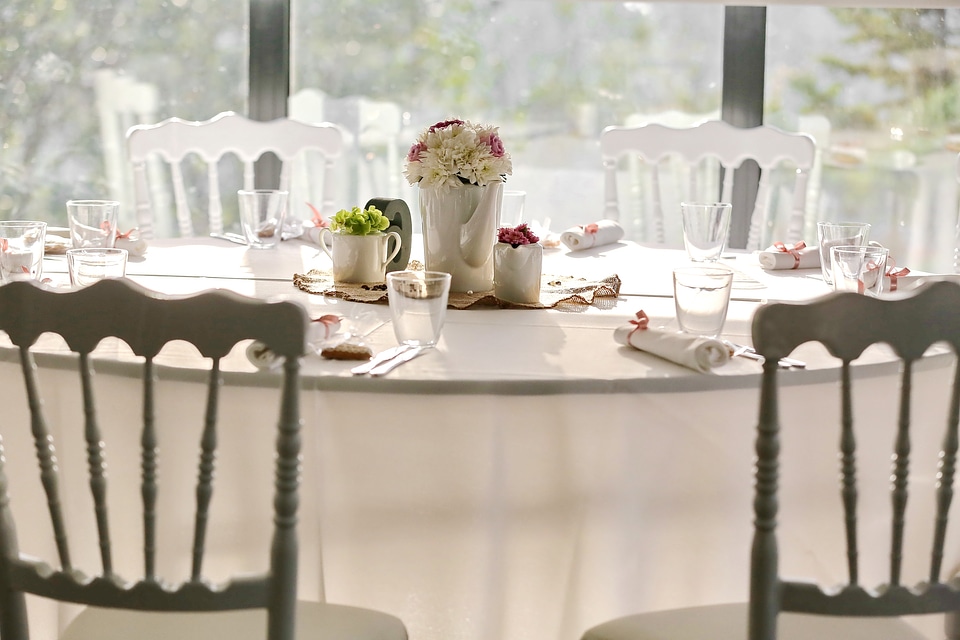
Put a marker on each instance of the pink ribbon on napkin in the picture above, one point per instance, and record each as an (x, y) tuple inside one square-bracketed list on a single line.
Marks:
[(133, 235), (317, 218), (893, 273), (591, 228), (794, 250), (640, 324), (330, 322)]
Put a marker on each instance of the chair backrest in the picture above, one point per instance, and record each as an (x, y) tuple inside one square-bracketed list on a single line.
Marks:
[(716, 143), (224, 134), (847, 324), (213, 322)]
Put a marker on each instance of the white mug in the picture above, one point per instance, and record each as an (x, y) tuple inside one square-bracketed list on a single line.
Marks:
[(359, 259)]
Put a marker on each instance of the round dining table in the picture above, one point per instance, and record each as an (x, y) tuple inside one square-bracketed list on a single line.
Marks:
[(524, 480)]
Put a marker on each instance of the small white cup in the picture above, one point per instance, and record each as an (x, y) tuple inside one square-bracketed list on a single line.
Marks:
[(835, 234), (701, 295), (359, 259), (261, 216), (21, 249), (517, 272), (87, 266), (705, 229), (418, 305), (93, 223), (858, 269)]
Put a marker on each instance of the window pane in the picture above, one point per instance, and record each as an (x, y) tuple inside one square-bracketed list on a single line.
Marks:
[(550, 74), (879, 90), (76, 75)]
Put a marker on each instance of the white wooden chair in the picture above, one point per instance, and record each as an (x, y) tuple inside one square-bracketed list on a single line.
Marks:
[(226, 134), (147, 602), (699, 149), (846, 325)]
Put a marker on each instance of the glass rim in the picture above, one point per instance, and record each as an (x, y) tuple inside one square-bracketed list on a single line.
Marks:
[(419, 275), (22, 223), (722, 205), (828, 223), (95, 251), (88, 203), (705, 270), (854, 248)]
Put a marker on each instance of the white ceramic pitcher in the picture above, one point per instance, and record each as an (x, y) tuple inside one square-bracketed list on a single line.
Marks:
[(359, 259)]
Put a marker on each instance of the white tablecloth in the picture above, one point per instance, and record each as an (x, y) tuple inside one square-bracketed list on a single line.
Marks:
[(527, 480)]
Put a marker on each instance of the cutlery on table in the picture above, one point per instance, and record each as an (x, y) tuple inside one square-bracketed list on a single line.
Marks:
[(744, 351), (230, 237), (409, 354), (380, 358)]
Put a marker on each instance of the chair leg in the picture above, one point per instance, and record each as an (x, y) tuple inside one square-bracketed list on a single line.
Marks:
[(951, 626)]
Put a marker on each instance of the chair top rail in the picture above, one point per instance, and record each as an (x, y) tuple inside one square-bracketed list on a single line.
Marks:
[(214, 321), (780, 328), (732, 145), (230, 132)]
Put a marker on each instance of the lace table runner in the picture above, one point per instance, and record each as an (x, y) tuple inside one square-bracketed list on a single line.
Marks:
[(555, 291)]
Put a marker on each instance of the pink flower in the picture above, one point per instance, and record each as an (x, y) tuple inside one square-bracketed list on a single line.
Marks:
[(521, 234), (495, 143), (414, 154)]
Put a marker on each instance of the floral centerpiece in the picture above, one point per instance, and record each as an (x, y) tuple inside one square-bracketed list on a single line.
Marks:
[(359, 222), (518, 260), (457, 152), (358, 246), (459, 168)]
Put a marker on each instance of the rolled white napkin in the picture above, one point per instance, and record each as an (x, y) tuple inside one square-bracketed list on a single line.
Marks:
[(261, 356), (774, 258), (596, 234), (695, 352)]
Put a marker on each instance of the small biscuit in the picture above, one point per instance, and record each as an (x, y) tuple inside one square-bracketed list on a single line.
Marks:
[(347, 351)]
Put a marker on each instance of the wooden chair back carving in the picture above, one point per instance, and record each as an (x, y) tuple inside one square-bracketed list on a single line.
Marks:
[(909, 326), (717, 141), (226, 133), (213, 322)]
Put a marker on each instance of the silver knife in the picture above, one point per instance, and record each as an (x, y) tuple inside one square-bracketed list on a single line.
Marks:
[(380, 358), (406, 356)]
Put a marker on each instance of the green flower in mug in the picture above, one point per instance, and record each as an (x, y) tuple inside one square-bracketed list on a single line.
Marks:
[(359, 222)]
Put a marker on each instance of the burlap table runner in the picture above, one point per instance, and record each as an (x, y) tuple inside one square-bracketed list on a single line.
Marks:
[(555, 291)]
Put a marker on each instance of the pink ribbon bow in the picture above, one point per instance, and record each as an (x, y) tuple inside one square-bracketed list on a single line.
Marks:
[(794, 250), (893, 273), (640, 324), (132, 235), (592, 229)]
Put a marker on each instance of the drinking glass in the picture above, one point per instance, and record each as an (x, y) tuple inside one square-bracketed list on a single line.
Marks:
[(418, 305), (859, 269), (701, 295), (21, 249), (511, 208), (705, 229), (261, 215), (833, 234), (93, 223), (86, 266)]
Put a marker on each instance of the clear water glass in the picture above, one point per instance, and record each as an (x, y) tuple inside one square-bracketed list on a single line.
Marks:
[(418, 305), (701, 295)]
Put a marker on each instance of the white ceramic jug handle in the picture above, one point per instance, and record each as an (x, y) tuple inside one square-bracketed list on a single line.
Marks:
[(396, 245), (323, 241)]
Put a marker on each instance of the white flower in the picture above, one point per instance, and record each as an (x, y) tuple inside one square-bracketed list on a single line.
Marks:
[(455, 152)]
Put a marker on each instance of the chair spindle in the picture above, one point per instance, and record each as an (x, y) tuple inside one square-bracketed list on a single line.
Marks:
[(945, 476), (148, 462), (901, 472), (848, 473), (95, 462), (208, 455)]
